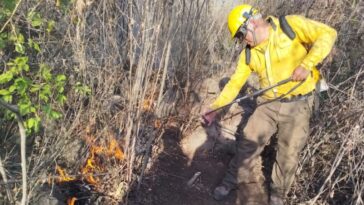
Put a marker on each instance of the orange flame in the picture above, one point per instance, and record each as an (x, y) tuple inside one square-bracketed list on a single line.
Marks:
[(92, 165), (147, 105), (63, 175), (157, 124), (115, 150), (97, 155), (71, 201)]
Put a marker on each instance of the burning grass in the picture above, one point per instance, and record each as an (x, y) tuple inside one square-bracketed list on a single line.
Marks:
[(93, 172)]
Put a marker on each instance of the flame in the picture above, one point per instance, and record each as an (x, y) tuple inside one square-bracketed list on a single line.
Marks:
[(147, 105), (157, 124), (95, 163), (92, 165), (63, 175), (65, 178), (115, 150), (71, 201)]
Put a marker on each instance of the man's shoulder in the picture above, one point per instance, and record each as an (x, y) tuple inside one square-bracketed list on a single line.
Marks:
[(294, 18), (290, 18)]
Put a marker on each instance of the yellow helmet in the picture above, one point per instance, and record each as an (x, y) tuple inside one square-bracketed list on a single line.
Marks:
[(238, 16)]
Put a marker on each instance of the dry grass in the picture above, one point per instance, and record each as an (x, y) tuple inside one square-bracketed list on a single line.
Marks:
[(130, 53)]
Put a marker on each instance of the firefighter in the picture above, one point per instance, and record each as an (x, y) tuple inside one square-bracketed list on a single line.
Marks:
[(276, 49)]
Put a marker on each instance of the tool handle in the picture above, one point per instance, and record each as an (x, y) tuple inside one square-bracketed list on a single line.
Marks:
[(252, 95)]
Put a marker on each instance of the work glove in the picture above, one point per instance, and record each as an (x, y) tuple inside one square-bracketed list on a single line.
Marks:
[(208, 118)]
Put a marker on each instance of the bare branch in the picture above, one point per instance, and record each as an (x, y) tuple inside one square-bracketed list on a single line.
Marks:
[(12, 14), (15, 110)]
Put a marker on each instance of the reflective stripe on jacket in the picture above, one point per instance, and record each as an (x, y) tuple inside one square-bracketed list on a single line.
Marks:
[(285, 55)]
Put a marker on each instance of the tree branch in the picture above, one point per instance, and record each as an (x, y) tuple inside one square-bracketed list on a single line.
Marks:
[(12, 108), (15, 110), (3, 174), (12, 14)]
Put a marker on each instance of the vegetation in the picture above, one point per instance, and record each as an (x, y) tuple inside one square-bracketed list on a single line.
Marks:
[(84, 73)]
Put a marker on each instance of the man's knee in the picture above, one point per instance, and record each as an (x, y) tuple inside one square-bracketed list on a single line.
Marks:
[(247, 147)]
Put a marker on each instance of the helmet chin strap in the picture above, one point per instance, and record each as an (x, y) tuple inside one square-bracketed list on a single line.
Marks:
[(254, 36)]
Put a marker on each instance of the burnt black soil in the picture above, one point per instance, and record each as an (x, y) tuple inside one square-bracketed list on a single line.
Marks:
[(166, 182)]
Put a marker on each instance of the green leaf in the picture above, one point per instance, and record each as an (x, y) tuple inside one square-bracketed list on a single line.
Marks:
[(18, 42), (36, 127), (82, 89), (9, 4), (33, 124), (26, 67), (46, 89), (12, 88), (8, 98), (60, 78), (55, 114), (45, 72), (35, 88), (19, 64), (61, 99), (33, 45), (30, 123), (37, 22), (35, 19), (60, 81), (6, 77), (43, 97), (36, 47), (21, 85), (50, 26), (60, 89), (45, 93), (24, 107), (4, 92), (33, 110), (3, 40), (19, 48), (47, 109), (13, 37), (20, 61), (20, 38), (14, 70), (51, 113)]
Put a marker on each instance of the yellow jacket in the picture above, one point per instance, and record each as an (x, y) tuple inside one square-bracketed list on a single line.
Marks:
[(284, 56)]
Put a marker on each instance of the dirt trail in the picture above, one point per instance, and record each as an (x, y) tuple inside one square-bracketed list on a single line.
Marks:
[(166, 182), (208, 148)]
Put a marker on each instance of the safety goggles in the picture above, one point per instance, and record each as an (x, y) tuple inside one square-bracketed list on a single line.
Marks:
[(242, 32), (243, 29)]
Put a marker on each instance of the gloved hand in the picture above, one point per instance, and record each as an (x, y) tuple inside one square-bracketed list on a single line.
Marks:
[(208, 118)]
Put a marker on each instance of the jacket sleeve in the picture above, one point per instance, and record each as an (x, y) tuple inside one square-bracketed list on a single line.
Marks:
[(236, 82), (319, 36)]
